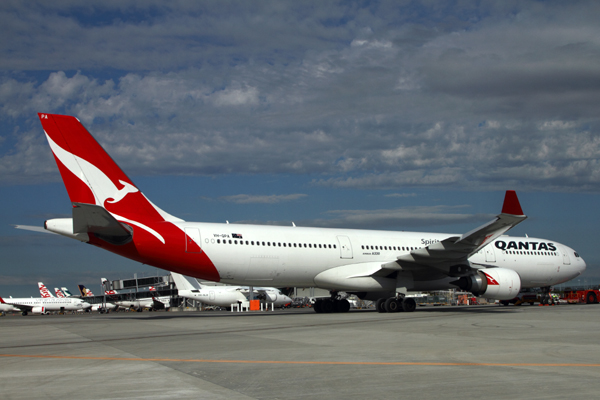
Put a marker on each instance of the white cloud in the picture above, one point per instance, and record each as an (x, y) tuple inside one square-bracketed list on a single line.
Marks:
[(381, 98), (262, 199)]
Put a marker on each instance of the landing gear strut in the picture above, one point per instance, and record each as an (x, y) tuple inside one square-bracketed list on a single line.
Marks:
[(396, 304), (546, 299), (335, 304)]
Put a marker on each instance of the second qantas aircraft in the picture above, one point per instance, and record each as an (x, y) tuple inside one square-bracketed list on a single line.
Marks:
[(110, 212)]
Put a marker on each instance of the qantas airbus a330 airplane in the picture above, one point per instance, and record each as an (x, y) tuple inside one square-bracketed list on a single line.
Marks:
[(110, 212)]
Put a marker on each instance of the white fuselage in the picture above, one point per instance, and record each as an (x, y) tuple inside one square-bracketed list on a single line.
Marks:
[(43, 305), (295, 256), (225, 296)]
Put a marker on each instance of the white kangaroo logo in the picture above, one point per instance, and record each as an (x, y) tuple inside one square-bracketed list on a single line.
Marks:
[(100, 185), (128, 188)]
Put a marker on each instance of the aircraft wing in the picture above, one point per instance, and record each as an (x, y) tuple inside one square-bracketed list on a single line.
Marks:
[(455, 250)]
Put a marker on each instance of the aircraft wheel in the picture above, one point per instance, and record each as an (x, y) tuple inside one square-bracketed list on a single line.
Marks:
[(24, 313), (327, 306), (392, 305), (342, 306), (409, 304), (318, 306), (380, 305)]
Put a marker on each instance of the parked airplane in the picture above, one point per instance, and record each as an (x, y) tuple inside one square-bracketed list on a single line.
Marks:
[(225, 296), (59, 293), (44, 305), (66, 292), (4, 308), (150, 303), (110, 212)]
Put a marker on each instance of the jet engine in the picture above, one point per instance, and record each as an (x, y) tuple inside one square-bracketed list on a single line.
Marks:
[(493, 283), (39, 310)]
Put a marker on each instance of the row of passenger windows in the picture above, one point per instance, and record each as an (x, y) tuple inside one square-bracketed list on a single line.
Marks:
[(397, 248), (532, 253), (279, 244)]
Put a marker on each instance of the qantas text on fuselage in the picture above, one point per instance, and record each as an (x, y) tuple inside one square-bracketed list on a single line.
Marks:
[(110, 212)]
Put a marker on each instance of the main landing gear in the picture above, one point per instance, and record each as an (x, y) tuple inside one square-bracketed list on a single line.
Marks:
[(396, 304), (335, 304)]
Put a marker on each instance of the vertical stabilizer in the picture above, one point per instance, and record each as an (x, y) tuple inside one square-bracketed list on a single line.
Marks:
[(44, 292), (181, 282), (90, 174)]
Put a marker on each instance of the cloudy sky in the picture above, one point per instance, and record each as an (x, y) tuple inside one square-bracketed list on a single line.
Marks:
[(385, 115)]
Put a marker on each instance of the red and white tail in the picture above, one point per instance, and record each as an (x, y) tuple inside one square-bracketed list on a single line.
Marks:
[(59, 293), (44, 291), (90, 174)]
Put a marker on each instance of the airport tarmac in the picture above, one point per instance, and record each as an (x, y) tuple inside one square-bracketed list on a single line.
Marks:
[(470, 352)]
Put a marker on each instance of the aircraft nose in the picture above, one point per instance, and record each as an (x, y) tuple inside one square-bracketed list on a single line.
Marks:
[(581, 266)]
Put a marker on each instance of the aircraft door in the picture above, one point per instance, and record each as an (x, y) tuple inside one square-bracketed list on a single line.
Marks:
[(345, 247), (490, 256), (211, 295), (566, 259), (192, 240)]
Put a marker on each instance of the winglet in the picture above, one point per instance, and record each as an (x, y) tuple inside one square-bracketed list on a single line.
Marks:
[(511, 204)]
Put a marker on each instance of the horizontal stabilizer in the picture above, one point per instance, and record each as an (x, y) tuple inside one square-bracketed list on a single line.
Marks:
[(33, 228), (90, 218)]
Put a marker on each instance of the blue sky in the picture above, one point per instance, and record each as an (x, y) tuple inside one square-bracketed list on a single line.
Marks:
[(385, 115)]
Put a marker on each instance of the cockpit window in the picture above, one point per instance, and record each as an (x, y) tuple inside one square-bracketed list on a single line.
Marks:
[(576, 255)]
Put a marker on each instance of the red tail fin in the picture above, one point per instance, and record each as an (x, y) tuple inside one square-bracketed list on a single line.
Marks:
[(90, 174)]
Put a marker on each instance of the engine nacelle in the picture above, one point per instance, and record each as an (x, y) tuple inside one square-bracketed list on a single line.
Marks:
[(493, 283), (39, 310)]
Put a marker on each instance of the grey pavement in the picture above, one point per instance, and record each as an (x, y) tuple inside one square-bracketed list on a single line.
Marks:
[(470, 352)]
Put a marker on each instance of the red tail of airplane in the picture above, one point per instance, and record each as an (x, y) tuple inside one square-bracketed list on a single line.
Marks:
[(90, 174), (44, 292), (109, 211)]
